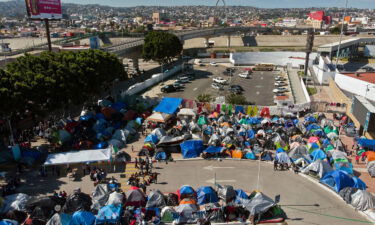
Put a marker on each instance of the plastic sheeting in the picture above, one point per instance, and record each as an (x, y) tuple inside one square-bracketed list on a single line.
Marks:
[(60, 219), (191, 148), (100, 196), (77, 202), (226, 193), (282, 157), (366, 143), (15, 202), (82, 218), (363, 200), (109, 214), (115, 198), (260, 203), (78, 157), (320, 167), (168, 105), (156, 199)]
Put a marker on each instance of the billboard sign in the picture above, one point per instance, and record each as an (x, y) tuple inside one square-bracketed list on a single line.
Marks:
[(44, 9)]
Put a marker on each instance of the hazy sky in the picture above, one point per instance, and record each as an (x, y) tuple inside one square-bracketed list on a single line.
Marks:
[(257, 3)]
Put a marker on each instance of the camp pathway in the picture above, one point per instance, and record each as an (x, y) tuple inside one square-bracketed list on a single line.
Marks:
[(130, 169)]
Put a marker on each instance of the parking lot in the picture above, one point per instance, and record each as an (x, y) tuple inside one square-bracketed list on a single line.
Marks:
[(257, 89)]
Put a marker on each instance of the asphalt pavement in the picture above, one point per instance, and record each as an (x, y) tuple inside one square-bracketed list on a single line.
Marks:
[(258, 89), (304, 201)]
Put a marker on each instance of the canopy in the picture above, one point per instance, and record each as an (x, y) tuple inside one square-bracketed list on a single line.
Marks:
[(78, 157), (186, 112), (206, 195), (191, 148), (159, 117), (337, 180), (168, 105)]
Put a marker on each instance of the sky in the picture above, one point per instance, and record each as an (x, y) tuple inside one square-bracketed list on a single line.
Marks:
[(256, 3)]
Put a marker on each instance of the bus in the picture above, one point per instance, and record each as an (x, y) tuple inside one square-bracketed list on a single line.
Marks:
[(264, 67)]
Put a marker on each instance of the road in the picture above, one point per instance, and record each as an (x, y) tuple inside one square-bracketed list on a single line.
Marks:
[(303, 201), (258, 89)]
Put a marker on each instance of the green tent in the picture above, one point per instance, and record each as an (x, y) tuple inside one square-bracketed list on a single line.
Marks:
[(202, 120), (329, 148), (243, 121)]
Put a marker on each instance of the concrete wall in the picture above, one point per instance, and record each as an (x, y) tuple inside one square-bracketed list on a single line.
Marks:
[(305, 92), (355, 86), (323, 72)]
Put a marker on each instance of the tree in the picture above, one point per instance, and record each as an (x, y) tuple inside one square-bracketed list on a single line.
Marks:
[(335, 30), (236, 99), (161, 47), (204, 98)]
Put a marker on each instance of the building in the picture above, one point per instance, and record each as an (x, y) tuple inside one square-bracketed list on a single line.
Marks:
[(159, 17), (318, 18)]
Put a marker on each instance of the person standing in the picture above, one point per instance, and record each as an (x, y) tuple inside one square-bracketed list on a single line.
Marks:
[(136, 163)]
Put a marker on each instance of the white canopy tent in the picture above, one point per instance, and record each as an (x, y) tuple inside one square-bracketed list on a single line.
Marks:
[(79, 157)]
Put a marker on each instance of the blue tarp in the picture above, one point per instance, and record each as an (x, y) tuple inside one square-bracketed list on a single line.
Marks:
[(168, 105), (186, 190), (213, 149), (310, 119), (337, 180), (344, 166), (191, 148), (312, 127), (250, 134), (206, 195), (280, 150), (358, 183), (239, 109), (161, 156), (366, 143), (240, 195), (250, 155), (152, 138), (82, 218), (254, 120), (109, 214), (118, 106), (318, 154)]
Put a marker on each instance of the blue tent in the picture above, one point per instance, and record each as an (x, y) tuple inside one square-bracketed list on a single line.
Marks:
[(326, 142), (312, 127), (168, 105), (118, 106), (250, 155), (239, 109), (254, 120), (151, 138), (206, 195), (82, 218), (191, 148), (310, 119), (344, 166), (161, 156), (337, 180), (280, 150), (358, 183), (213, 149), (367, 143), (109, 214), (318, 154), (251, 134), (240, 195)]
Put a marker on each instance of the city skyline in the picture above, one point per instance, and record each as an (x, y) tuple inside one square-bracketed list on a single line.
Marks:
[(255, 3)]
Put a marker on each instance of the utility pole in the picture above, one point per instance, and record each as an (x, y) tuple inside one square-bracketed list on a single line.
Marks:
[(341, 33), (309, 47), (46, 22)]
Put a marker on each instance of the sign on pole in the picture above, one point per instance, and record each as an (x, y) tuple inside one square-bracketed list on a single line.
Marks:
[(44, 9)]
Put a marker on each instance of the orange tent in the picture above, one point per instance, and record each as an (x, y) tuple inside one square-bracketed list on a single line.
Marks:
[(188, 201), (225, 124), (237, 154), (370, 156)]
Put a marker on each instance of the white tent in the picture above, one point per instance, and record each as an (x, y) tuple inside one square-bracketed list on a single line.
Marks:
[(186, 112), (79, 157)]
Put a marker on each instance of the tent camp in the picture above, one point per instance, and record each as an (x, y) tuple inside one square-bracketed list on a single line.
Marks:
[(337, 180), (84, 156), (206, 195), (319, 167), (168, 105), (366, 143)]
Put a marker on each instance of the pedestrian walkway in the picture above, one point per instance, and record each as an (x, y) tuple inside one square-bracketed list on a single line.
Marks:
[(130, 169), (296, 87)]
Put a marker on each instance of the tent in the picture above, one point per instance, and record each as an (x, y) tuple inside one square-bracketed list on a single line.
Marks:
[(363, 200), (313, 139), (135, 197), (226, 193), (319, 167), (358, 183), (77, 202), (186, 112), (159, 117), (370, 155), (337, 180), (282, 157), (82, 218), (156, 199), (206, 195), (336, 154), (237, 154), (168, 105), (366, 143), (186, 213), (191, 148), (240, 196), (371, 168), (260, 203), (109, 214), (318, 154), (60, 219), (152, 138), (299, 152), (185, 191), (213, 149), (78, 157), (14, 202), (344, 166), (115, 198), (43, 207)]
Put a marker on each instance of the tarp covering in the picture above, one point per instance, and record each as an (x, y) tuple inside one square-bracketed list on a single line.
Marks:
[(186, 213), (60, 219), (135, 197), (320, 167), (213, 149), (156, 199), (78, 157), (366, 143), (206, 195), (82, 218), (159, 117), (76, 202), (299, 152), (14, 202), (363, 200), (226, 193), (318, 154), (258, 204), (186, 112), (109, 214), (282, 157), (337, 180), (191, 148), (115, 198), (100, 196), (168, 105)]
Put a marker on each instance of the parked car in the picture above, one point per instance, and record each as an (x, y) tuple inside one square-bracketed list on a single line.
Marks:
[(213, 64), (279, 90), (280, 78), (245, 75), (168, 88), (178, 84), (237, 87), (184, 79), (217, 86), (280, 84), (219, 80)]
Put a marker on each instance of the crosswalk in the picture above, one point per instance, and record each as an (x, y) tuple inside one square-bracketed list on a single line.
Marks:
[(130, 169)]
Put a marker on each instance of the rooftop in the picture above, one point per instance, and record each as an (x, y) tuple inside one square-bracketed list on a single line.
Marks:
[(367, 77)]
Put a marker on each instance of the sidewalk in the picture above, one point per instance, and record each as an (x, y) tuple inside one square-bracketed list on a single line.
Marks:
[(296, 87)]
